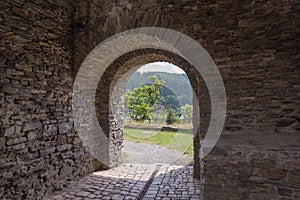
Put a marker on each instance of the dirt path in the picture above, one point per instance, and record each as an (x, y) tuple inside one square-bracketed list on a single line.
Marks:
[(145, 153)]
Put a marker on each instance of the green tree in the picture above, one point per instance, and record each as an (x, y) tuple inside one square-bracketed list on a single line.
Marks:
[(171, 117), (177, 83), (142, 100), (187, 112)]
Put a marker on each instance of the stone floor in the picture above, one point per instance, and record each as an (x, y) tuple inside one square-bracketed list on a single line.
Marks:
[(135, 181)]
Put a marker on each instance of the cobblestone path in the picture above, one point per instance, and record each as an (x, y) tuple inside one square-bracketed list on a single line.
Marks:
[(135, 181)]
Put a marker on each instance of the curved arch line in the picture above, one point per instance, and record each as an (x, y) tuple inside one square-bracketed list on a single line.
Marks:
[(94, 65)]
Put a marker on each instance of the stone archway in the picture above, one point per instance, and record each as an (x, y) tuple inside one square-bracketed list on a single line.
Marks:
[(101, 130), (109, 97)]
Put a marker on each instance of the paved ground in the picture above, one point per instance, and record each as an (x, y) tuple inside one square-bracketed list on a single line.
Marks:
[(150, 153), (135, 181), (174, 182)]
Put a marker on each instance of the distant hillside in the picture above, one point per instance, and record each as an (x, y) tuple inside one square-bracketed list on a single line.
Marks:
[(179, 84)]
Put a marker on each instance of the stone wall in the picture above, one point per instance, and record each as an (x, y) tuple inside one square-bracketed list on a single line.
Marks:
[(255, 46), (253, 165), (253, 43), (40, 150)]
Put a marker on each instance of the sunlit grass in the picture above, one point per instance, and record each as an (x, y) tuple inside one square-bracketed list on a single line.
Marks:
[(172, 140)]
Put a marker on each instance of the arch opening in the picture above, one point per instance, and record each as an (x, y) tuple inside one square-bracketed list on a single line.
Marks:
[(106, 65), (158, 116), (110, 102)]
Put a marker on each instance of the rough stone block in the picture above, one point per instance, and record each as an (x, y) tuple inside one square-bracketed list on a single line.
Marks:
[(276, 174), (10, 131), (256, 179), (31, 136), (61, 139), (284, 191), (16, 141), (32, 126), (2, 143), (65, 127), (63, 147)]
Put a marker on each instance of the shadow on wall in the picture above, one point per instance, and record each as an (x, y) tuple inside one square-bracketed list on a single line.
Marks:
[(253, 165)]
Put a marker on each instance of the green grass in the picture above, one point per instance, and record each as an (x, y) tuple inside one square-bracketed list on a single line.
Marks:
[(172, 140)]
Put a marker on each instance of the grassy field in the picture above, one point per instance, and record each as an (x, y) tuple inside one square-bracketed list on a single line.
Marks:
[(173, 140)]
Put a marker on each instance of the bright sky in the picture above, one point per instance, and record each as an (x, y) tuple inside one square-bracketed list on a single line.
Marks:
[(161, 67)]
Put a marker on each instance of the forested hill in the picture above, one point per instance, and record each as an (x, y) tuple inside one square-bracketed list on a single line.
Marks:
[(179, 84)]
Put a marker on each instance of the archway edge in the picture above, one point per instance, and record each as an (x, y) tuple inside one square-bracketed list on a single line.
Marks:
[(100, 58)]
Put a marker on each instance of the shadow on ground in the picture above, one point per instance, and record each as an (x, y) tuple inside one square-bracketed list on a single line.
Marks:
[(135, 181)]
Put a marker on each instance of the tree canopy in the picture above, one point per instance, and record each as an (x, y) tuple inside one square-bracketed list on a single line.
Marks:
[(178, 84), (143, 99), (171, 117)]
